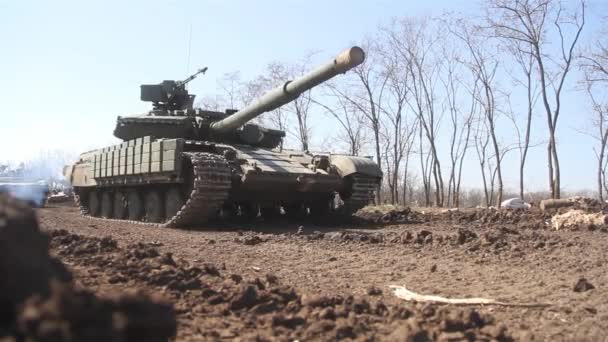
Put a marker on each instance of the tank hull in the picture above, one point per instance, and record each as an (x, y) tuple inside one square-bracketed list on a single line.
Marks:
[(162, 176)]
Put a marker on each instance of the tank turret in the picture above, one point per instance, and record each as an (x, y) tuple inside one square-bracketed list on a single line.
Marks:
[(173, 115), (170, 95)]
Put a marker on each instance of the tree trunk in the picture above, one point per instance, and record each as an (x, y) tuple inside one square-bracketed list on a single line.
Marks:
[(498, 167), (550, 164), (527, 139), (556, 170), (404, 194), (543, 87), (378, 159), (600, 165)]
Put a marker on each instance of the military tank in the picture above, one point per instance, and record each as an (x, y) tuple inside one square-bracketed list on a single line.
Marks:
[(180, 166)]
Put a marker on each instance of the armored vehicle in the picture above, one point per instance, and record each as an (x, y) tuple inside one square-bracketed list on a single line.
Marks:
[(179, 165)]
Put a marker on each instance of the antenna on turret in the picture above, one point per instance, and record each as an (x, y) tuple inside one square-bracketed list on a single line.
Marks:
[(189, 50)]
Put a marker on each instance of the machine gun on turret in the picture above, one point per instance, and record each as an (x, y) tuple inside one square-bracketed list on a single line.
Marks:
[(170, 94)]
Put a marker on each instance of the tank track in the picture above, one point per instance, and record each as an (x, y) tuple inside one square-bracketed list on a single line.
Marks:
[(210, 188), (363, 188)]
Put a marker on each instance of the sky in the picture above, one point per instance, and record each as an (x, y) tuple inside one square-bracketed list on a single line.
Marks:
[(70, 67)]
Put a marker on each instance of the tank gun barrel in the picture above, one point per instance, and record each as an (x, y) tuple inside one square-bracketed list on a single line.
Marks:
[(290, 90)]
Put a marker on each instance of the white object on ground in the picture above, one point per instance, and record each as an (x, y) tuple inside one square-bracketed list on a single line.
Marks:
[(515, 203), (405, 294), (577, 217)]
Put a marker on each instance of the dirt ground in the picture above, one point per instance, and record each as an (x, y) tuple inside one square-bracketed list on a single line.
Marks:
[(307, 281)]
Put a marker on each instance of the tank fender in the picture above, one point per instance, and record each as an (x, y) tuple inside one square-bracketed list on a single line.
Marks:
[(347, 165)]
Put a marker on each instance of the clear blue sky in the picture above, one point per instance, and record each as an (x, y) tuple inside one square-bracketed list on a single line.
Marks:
[(70, 67)]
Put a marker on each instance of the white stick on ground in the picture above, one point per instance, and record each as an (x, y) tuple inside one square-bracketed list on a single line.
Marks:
[(405, 294)]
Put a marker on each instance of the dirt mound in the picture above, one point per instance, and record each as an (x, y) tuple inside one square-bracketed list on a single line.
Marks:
[(523, 218), (25, 264), (70, 314), (532, 218), (223, 305), (495, 239), (39, 302), (388, 214)]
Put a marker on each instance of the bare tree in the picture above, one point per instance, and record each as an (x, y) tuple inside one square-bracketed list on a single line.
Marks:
[(299, 108), (414, 41), (595, 62), (425, 156), (211, 102), (230, 84), (465, 139), (406, 185), (368, 84), (595, 67), (451, 92), (482, 139), (398, 130), (350, 119), (525, 59), (527, 21), (460, 122), (274, 74), (483, 67)]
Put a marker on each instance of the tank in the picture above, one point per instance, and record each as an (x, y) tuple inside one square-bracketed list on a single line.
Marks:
[(180, 166)]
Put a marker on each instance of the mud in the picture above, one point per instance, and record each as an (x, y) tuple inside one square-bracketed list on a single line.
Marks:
[(217, 304), (386, 215), (39, 302), (309, 281)]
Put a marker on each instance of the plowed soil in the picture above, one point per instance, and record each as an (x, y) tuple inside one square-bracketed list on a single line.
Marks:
[(311, 281)]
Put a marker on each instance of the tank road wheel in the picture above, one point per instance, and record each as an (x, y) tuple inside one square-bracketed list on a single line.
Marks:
[(249, 211), (174, 201), (93, 203), (295, 210), (153, 203), (229, 210), (135, 206), (270, 212), (120, 205), (320, 208), (106, 204)]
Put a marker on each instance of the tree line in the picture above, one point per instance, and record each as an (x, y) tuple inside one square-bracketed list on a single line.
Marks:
[(468, 82)]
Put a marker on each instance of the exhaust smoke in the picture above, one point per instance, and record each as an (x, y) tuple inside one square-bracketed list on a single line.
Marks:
[(33, 180)]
